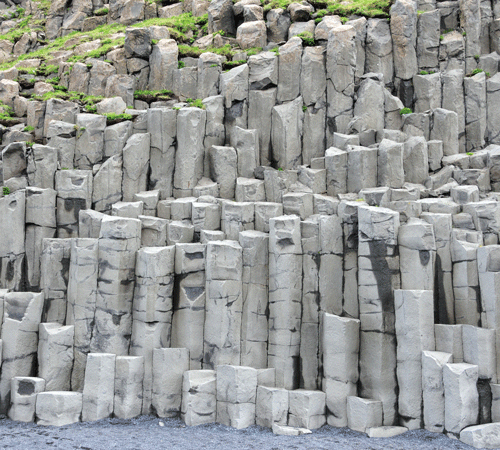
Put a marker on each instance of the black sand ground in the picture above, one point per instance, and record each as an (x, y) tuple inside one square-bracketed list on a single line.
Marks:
[(145, 433)]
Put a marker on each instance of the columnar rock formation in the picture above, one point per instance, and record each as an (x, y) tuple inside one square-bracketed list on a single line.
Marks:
[(274, 240)]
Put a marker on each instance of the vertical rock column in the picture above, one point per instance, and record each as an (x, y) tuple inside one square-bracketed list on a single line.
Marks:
[(119, 240), (55, 355), (464, 246), (99, 386), (340, 70), (433, 389), (162, 126), (404, 40), (417, 253), (136, 159), (453, 100), (444, 301), (169, 365), (470, 22), (152, 309), (254, 325), (129, 376), (460, 396), (488, 264), (475, 111), (415, 333), (189, 161), (22, 315), (224, 305), (314, 96), (12, 243), (263, 78), (309, 329), (74, 193), (348, 214), (40, 224), (340, 342), (285, 298), (321, 290), (54, 263), (82, 294), (378, 262), (189, 301)]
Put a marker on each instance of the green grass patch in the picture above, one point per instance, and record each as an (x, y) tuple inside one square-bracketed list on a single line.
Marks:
[(179, 26), (112, 118), (104, 49), (228, 65), (366, 8), (475, 72), (196, 103), (101, 12), (307, 38), (151, 96), (15, 34)]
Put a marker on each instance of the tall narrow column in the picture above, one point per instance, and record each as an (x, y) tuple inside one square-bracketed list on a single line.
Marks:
[(415, 334), (378, 277), (22, 315), (152, 309), (82, 294), (224, 306), (54, 261), (254, 325), (285, 299), (119, 240), (189, 301)]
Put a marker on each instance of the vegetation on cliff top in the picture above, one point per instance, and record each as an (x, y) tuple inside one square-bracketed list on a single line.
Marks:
[(346, 8)]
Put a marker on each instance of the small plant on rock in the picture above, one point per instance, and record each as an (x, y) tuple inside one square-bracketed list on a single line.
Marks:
[(307, 38), (405, 111), (112, 118), (101, 12), (196, 103), (29, 128), (5, 190), (475, 72)]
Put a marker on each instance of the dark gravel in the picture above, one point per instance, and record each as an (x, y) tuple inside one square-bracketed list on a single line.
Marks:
[(145, 433)]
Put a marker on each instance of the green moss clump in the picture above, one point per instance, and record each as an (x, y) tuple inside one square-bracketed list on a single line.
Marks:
[(196, 103), (101, 12), (405, 111), (307, 38), (112, 118)]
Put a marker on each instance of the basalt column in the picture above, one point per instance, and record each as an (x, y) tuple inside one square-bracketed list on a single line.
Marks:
[(54, 264), (322, 289), (152, 309), (224, 306), (82, 294), (22, 314), (285, 299), (119, 240), (12, 245), (378, 262), (254, 324), (189, 301)]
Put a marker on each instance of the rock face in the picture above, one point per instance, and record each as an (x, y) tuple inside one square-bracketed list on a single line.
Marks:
[(252, 230)]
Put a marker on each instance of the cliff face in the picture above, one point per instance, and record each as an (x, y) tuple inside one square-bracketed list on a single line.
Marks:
[(250, 213)]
